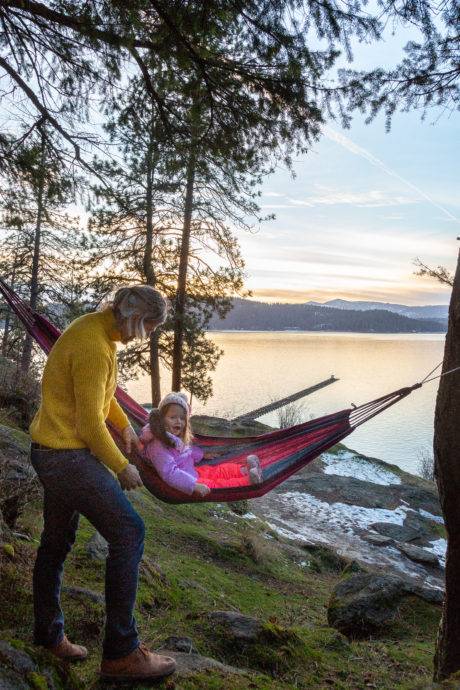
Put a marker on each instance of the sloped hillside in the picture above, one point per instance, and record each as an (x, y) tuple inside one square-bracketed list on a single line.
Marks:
[(205, 559)]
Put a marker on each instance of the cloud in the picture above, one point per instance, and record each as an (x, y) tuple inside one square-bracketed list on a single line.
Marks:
[(300, 242), (373, 198), (264, 206), (367, 155)]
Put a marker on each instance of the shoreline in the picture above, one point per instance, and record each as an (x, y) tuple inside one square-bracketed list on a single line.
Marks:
[(295, 331)]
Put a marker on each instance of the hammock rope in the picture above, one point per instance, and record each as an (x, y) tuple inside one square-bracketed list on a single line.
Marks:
[(282, 452)]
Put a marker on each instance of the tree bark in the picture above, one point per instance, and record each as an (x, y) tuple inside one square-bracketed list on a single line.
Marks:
[(149, 272), (8, 314), (447, 473), (27, 348), (179, 311)]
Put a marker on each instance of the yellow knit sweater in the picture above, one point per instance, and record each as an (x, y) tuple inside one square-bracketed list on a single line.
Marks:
[(78, 385)]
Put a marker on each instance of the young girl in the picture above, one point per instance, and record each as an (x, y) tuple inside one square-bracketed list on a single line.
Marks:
[(167, 445)]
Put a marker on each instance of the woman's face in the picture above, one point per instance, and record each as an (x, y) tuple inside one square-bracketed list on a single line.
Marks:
[(175, 419), (129, 327)]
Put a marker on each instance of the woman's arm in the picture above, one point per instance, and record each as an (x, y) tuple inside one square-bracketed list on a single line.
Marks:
[(90, 369)]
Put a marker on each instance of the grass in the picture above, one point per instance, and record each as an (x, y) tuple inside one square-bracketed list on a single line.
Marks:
[(201, 558)]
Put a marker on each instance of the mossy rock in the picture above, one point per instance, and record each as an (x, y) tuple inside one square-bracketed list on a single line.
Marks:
[(13, 440), (219, 427), (325, 560), (249, 643), (23, 667)]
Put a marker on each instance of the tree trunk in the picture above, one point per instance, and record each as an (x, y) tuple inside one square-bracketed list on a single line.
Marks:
[(179, 311), (6, 329), (155, 368), (6, 332), (27, 348), (447, 473), (149, 273)]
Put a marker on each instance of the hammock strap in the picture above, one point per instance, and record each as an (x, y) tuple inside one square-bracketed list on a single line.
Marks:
[(364, 412), (450, 371), (431, 372)]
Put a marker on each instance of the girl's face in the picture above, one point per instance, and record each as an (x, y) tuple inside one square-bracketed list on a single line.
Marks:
[(175, 420)]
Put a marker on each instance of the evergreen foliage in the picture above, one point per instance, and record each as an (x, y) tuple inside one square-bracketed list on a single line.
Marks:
[(427, 76), (41, 241), (252, 316)]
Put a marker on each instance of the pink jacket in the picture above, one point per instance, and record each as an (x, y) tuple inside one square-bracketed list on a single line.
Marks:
[(176, 466)]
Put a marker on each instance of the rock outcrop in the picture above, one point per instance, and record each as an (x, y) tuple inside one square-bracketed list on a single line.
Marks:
[(364, 603), (367, 511), (26, 668), (18, 482)]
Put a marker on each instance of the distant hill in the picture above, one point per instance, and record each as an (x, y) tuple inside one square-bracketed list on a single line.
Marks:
[(432, 311), (247, 315)]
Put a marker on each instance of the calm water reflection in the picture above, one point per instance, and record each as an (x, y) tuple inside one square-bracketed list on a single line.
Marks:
[(260, 366)]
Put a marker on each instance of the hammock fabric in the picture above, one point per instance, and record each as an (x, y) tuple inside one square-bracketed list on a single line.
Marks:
[(282, 452)]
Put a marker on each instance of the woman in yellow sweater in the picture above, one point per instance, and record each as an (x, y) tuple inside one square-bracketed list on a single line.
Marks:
[(83, 472)]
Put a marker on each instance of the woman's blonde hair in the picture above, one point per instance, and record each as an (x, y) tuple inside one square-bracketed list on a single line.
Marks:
[(138, 301)]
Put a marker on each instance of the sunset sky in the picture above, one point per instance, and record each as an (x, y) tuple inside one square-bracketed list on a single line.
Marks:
[(363, 205)]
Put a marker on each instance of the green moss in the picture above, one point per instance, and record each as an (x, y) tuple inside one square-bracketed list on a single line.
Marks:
[(324, 560), (17, 644), (37, 681), (439, 529), (16, 596), (8, 550), (21, 437)]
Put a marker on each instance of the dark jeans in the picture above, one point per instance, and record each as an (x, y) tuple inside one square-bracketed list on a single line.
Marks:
[(76, 482)]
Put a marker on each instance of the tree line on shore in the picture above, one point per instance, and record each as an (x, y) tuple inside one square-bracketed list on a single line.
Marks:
[(259, 316)]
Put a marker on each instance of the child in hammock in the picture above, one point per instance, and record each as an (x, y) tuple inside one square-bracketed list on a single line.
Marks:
[(167, 445)]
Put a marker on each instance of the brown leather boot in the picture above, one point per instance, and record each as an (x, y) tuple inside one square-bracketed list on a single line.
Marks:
[(66, 650), (139, 665)]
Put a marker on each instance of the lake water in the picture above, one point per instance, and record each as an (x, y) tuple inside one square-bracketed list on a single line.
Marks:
[(258, 367)]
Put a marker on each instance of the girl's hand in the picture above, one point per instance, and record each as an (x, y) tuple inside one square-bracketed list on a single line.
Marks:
[(201, 489)]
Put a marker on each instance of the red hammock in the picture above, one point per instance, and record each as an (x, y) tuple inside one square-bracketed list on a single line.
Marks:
[(282, 453)]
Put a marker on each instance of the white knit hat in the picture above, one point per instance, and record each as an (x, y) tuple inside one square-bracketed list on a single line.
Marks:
[(175, 399)]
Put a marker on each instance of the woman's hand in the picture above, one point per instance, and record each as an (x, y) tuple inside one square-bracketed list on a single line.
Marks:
[(130, 478), (130, 437), (201, 490)]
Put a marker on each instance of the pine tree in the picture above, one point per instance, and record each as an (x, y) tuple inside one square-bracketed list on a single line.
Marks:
[(137, 222), (40, 238)]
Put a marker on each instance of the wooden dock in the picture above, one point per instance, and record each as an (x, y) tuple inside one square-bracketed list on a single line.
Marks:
[(253, 414)]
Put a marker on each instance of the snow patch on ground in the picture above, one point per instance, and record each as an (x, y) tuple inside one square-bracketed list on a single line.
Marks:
[(341, 516), (439, 548), (249, 516), (436, 518), (348, 464), (308, 520)]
